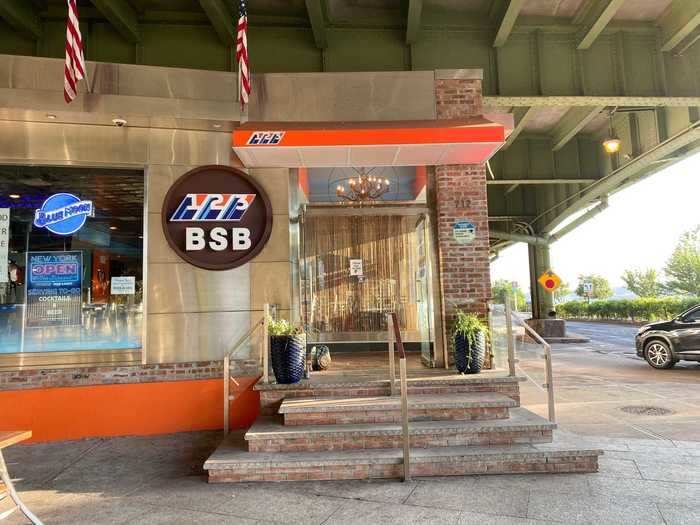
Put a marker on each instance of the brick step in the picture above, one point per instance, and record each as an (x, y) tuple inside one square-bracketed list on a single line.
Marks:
[(231, 462), (268, 434), (272, 394), (386, 409)]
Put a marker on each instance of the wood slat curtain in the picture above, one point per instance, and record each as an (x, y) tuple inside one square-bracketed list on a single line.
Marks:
[(339, 302)]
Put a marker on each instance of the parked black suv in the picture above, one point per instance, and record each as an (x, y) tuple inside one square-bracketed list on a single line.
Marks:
[(665, 343)]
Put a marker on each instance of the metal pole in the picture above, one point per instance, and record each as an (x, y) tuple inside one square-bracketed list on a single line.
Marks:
[(266, 342), (10, 488), (404, 421), (509, 338), (227, 394), (390, 343), (550, 382)]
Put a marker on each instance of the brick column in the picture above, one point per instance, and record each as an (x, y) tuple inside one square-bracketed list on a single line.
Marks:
[(461, 195)]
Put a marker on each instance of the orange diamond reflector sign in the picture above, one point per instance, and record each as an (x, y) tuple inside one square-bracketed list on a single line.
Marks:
[(549, 280)]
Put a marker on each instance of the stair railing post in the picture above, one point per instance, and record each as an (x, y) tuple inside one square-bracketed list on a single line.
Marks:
[(266, 343), (550, 381), (390, 348), (509, 338), (404, 420), (227, 393)]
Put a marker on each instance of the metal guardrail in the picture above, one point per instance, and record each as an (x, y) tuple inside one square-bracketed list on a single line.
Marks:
[(229, 355), (394, 335), (547, 355)]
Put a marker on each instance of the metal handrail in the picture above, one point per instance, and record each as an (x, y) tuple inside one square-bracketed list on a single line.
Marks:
[(547, 356), (393, 326), (236, 347)]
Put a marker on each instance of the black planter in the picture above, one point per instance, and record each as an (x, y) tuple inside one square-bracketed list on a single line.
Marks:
[(469, 359), (288, 356)]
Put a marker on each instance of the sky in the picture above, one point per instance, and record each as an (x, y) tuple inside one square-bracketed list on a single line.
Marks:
[(639, 230)]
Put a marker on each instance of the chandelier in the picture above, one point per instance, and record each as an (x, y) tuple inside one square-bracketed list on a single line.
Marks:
[(362, 188)]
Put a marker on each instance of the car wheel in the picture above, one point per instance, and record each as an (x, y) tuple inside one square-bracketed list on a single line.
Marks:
[(658, 354)]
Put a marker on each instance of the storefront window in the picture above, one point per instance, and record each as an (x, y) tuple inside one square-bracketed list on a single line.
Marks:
[(71, 259)]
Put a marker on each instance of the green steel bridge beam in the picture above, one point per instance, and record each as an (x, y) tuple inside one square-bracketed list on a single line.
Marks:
[(122, 16), (681, 18), (20, 15), (413, 19), (598, 16), (318, 25), (507, 22), (574, 121), (221, 19)]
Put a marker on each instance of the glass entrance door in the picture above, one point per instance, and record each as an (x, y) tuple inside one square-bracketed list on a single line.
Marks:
[(358, 268)]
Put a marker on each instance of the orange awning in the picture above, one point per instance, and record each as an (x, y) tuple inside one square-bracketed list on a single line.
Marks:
[(338, 144)]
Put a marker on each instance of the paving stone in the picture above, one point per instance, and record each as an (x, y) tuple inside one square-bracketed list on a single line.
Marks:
[(675, 514), (381, 491), (364, 513), (618, 468), (192, 493), (591, 509), (559, 484), (644, 491), (467, 494), (688, 472), (166, 516), (260, 502), (475, 518)]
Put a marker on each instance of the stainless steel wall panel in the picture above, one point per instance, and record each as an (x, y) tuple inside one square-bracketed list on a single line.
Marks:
[(159, 251), (69, 143), (270, 283), (184, 147), (277, 248), (401, 95), (181, 288), (194, 336), (275, 181), (160, 178)]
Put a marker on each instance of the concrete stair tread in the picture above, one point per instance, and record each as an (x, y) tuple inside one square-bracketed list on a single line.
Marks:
[(232, 453), (355, 382), (381, 403), (271, 427)]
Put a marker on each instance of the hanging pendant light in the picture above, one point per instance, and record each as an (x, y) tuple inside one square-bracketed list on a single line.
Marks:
[(365, 188), (612, 144)]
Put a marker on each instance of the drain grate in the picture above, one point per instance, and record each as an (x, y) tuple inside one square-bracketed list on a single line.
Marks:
[(638, 410)]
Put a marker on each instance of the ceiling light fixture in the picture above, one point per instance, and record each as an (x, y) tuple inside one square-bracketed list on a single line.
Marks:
[(612, 144), (51, 116), (112, 227), (364, 188), (14, 195)]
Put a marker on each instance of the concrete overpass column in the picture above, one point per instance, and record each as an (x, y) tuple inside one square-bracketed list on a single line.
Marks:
[(542, 301)]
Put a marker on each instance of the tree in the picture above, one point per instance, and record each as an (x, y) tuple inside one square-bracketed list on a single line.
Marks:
[(601, 286), (683, 268), (561, 292), (642, 283), (502, 288)]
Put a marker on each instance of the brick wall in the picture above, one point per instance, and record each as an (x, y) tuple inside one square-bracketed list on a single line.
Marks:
[(461, 195), (111, 375)]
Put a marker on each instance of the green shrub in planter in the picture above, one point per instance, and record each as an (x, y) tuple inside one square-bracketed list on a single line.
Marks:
[(287, 351), (469, 335)]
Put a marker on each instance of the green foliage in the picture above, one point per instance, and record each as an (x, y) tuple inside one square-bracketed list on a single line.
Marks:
[(642, 283), (468, 326), (642, 309), (282, 327), (601, 286), (502, 288), (683, 268), (561, 292)]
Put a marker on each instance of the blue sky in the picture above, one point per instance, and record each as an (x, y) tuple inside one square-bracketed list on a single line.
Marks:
[(639, 230)]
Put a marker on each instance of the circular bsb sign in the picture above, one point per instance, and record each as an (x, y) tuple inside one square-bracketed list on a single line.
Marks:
[(216, 217)]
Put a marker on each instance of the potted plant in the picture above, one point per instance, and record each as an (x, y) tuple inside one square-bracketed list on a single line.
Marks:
[(287, 351), (469, 336)]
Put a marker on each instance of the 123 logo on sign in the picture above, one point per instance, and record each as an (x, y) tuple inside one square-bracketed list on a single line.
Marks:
[(198, 212)]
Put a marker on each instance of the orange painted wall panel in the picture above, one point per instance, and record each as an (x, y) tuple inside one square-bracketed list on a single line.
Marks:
[(127, 409)]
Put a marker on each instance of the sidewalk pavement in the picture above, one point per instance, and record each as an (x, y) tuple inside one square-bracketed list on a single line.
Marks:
[(158, 480)]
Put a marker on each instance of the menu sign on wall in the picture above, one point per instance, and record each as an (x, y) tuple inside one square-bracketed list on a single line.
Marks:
[(4, 243), (54, 284), (217, 217)]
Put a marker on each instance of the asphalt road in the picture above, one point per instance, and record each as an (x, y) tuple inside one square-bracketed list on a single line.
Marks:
[(601, 385)]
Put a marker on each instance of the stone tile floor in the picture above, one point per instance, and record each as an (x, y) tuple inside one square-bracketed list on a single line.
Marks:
[(149, 480)]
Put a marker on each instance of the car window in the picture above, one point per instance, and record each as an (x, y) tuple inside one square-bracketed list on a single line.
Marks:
[(692, 317)]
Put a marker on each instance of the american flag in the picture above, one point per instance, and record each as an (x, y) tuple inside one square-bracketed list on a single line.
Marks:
[(242, 55), (74, 69)]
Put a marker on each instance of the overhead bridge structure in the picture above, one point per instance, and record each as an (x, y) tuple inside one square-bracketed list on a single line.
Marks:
[(571, 72)]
